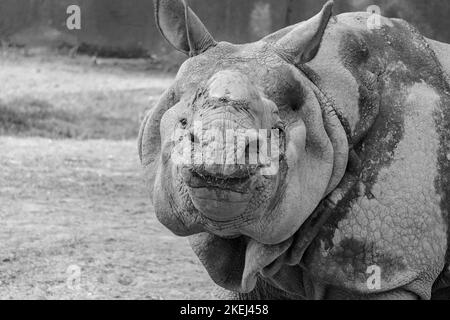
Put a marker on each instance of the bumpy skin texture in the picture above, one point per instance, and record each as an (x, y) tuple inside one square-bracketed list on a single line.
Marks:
[(389, 89), (395, 217)]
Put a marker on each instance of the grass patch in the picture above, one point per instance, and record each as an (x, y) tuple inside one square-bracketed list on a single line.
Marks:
[(37, 118), (106, 116)]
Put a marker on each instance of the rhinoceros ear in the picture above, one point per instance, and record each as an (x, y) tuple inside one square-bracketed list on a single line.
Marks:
[(181, 27), (301, 44), (149, 141)]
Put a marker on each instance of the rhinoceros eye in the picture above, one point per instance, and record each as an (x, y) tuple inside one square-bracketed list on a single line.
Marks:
[(295, 106), (295, 97), (183, 122)]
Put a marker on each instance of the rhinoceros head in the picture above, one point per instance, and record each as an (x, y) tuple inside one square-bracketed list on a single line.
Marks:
[(242, 148)]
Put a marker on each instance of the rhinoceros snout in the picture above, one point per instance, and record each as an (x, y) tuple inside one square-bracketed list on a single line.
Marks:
[(228, 159), (220, 198)]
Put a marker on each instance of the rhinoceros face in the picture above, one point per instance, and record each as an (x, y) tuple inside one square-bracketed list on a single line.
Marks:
[(241, 146)]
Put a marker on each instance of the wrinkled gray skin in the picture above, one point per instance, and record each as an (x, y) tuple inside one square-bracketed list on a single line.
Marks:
[(364, 171)]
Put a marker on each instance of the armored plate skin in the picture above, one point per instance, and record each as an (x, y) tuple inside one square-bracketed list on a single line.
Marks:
[(395, 217)]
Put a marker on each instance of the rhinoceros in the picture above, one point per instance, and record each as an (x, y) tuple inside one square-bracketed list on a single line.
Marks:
[(311, 164)]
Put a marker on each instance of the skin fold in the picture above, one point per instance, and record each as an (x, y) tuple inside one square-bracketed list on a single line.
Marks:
[(363, 127)]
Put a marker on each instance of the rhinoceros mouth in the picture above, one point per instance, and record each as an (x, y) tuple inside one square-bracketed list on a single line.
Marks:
[(197, 180), (228, 203), (220, 199)]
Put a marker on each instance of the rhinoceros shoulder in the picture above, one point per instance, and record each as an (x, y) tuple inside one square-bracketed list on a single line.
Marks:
[(390, 87)]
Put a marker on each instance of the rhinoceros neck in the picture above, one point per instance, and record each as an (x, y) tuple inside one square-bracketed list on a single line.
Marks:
[(326, 103)]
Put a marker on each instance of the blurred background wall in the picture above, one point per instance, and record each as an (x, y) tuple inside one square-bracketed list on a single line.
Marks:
[(126, 27)]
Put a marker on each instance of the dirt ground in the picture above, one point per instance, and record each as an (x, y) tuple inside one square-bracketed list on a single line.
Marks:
[(76, 221)]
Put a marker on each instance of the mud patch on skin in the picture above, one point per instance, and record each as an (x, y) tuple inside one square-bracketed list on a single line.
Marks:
[(352, 257), (384, 69), (399, 227), (442, 122)]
